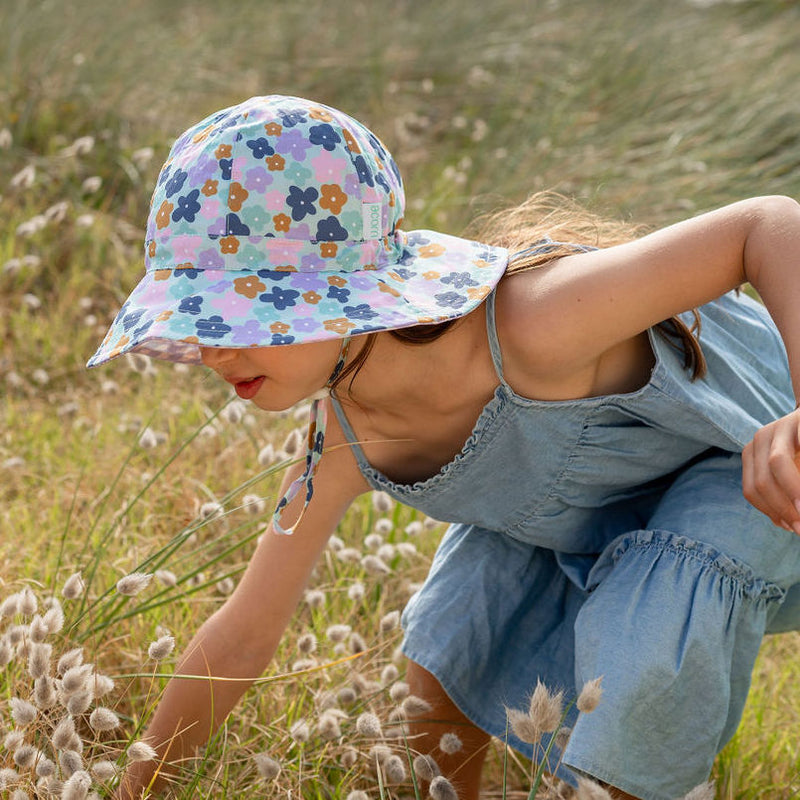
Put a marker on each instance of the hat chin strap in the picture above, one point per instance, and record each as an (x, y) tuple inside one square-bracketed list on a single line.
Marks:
[(315, 441)]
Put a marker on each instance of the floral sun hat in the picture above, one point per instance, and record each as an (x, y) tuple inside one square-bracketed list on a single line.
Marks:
[(277, 221)]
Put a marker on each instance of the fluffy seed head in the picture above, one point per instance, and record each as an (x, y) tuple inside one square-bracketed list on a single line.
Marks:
[(166, 578), (389, 674), (704, 791), (75, 679), (413, 528), (70, 762), (103, 719), (328, 726), (589, 790), (562, 737), (134, 583), (141, 751), (6, 651), (390, 621), (13, 740), (39, 659), (22, 712), (414, 706), (38, 630), (266, 455), (356, 592), (300, 731), (79, 703), (254, 505), (375, 565), (524, 728), (442, 789), (211, 510), (382, 502), (77, 786), (394, 769), (590, 696), (338, 633), (357, 794), (357, 643), (384, 526), (25, 755), (54, 616), (349, 757), (161, 647), (45, 767), (347, 695), (268, 768), (63, 733), (104, 770), (450, 743), (73, 587), (373, 541), (399, 691), (378, 753), (315, 598), (369, 725), (28, 604), (72, 658), (307, 643), (100, 684), (546, 708), (10, 606), (425, 767), (8, 777)]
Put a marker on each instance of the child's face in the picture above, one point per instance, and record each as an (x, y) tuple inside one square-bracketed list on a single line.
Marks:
[(274, 378)]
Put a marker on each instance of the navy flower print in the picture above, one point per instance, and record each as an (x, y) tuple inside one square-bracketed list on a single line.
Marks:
[(280, 298), (331, 230), (175, 183), (187, 207), (364, 172), (226, 167), (261, 147), (450, 300), (458, 280), (212, 328), (281, 338), (273, 274), (337, 293), (129, 320), (187, 272), (291, 119), (191, 304), (234, 226), (325, 135), (361, 311), (301, 201)]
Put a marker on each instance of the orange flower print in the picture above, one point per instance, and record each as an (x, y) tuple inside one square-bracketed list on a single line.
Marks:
[(312, 298), (185, 265), (335, 280), (321, 114), (282, 222), (480, 263), (477, 292), (431, 250), (237, 194), (275, 163), (123, 340), (279, 327), (151, 249), (163, 316), (333, 198), (210, 187), (249, 286), (164, 211), (352, 144), (223, 151), (397, 277), (203, 135), (341, 325), (162, 274), (391, 200), (273, 128), (229, 244), (384, 287), (328, 249), (190, 340), (431, 275)]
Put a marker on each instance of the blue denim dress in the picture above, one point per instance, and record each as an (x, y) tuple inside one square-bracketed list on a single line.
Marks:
[(608, 536)]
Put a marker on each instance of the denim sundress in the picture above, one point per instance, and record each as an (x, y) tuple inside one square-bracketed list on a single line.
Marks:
[(609, 536)]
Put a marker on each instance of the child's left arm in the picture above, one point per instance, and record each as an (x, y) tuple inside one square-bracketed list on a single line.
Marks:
[(598, 299)]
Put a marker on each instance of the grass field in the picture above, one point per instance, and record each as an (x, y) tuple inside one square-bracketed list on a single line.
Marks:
[(644, 110)]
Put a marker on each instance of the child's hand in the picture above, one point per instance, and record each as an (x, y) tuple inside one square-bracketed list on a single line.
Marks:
[(770, 472)]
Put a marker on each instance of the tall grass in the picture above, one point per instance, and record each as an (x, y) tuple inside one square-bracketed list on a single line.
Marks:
[(637, 108)]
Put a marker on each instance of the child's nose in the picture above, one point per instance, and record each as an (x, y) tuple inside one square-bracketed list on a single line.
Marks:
[(214, 357)]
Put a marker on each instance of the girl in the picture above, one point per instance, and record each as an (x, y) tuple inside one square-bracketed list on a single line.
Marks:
[(593, 458)]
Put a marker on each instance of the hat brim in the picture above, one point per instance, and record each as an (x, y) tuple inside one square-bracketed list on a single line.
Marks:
[(172, 313)]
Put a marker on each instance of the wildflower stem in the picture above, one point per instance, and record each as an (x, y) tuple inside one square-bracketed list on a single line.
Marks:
[(542, 765)]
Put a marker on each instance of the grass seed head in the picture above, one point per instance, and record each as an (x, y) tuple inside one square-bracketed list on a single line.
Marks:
[(357, 794), (63, 733), (70, 762), (328, 726), (589, 790), (161, 647), (704, 791), (389, 674), (13, 740), (562, 737), (10, 606), (442, 789), (211, 510), (524, 728), (307, 644), (8, 777), (104, 770), (266, 455), (426, 768), (72, 658), (413, 528), (384, 526), (390, 621), (103, 719), (545, 708), (54, 616), (449, 743), (315, 598), (382, 502), (590, 696), (28, 604), (79, 703), (268, 768), (373, 541), (349, 757), (132, 584), (357, 643), (356, 592), (300, 731), (399, 692), (337, 633), (39, 656), (254, 505), (415, 706), (141, 751), (369, 725), (25, 755), (76, 679), (375, 565), (45, 767), (166, 578), (100, 684), (38, 629), (22, 712), (394, 769), (6, 651), (19, 794), (73, 587), (77, 786), (347, 695)]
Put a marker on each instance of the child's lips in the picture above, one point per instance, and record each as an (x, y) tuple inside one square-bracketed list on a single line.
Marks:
[(248, 389)]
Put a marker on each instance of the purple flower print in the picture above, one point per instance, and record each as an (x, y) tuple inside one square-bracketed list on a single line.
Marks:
[(249, 333), (257, 179), (305, 325), (306, 281), (210, 259), (295, 144)]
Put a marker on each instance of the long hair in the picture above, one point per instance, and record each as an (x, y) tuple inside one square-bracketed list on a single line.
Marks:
[(546, 214)]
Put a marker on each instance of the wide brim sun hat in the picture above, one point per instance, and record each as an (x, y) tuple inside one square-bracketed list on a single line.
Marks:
[(278, 221)]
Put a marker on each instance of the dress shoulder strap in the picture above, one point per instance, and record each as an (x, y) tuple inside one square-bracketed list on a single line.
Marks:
[(491, 335)]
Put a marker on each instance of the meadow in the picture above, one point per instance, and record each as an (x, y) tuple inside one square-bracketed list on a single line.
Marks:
[(638, 109)]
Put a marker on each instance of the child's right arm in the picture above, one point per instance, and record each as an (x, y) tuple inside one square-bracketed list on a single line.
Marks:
[(239, 640)]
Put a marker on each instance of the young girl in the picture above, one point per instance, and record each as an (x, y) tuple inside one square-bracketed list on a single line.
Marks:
[(593, 459)]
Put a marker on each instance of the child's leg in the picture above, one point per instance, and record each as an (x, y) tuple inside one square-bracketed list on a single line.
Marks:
[(463, 768)]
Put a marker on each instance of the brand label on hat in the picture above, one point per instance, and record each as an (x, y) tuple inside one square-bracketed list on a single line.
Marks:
[(371, 213)]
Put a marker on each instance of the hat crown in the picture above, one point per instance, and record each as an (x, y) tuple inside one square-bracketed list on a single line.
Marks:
[(278, 183)]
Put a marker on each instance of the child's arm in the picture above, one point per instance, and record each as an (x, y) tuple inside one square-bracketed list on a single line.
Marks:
[(561, 318), (239, 640)]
